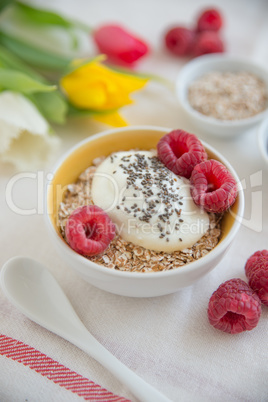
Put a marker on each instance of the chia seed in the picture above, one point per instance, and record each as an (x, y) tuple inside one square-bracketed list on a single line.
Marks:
[(150, 172)]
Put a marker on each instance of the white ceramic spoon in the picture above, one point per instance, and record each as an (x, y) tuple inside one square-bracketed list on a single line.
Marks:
[(36, 293)]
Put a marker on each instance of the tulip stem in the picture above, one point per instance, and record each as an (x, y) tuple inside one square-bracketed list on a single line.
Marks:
[(169, 84)]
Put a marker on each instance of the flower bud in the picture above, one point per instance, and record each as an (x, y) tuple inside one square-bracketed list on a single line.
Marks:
[(120, 46)]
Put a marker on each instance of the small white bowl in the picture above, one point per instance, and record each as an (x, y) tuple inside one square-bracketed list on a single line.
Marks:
[(132, 284), (263, 140), (203, 65)]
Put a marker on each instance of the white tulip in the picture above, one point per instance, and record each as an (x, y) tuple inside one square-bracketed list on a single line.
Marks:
[(25, 137)]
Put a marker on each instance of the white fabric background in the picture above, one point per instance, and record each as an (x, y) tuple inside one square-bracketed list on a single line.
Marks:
[(165, 340)]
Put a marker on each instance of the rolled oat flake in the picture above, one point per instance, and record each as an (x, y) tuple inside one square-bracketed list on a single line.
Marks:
[(228, 95)]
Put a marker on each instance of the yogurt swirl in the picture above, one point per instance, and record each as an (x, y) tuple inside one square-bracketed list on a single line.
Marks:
[(150, 205)]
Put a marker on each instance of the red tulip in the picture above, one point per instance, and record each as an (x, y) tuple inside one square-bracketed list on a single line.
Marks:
[(120, 46)]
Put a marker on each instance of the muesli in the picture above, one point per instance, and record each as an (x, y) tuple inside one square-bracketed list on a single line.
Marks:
[(142, 170), (127, 256)]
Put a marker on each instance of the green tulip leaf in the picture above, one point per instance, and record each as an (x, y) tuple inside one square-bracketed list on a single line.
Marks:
[(33, 55), (74, 111), (10, 61), (52, 105), (41, 16), (20, 82), (5, 3), (49, 18)]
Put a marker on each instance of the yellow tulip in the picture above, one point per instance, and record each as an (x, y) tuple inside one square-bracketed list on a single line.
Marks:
[(97, 88)]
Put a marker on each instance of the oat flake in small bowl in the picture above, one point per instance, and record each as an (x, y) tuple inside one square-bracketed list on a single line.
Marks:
[(222, 95), (228, 95)]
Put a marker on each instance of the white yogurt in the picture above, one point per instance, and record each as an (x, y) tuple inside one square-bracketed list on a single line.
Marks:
[(150, 205)]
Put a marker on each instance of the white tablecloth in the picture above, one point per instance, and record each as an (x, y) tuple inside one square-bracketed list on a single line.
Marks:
[(166, 340)]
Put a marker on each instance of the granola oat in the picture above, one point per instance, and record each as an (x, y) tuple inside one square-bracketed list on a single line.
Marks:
[(126, 256), (228, 95)]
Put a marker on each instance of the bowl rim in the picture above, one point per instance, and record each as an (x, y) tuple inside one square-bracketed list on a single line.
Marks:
[(210, 59), (187, 268), (262, 137)]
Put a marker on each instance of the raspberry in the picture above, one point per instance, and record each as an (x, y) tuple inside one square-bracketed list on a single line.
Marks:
[(207, 42), (212, 186), (180, 152), (257, 272), (89, 230), (209, 20), (180, 41), (234, 307), (254, 259)]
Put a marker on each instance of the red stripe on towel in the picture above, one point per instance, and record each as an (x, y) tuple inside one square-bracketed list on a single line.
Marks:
[(54, 371)]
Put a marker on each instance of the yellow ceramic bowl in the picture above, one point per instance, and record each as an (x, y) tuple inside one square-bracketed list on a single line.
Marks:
[(130, 283)]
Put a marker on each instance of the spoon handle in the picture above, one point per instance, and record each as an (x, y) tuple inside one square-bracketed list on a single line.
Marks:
[(141, 389)]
